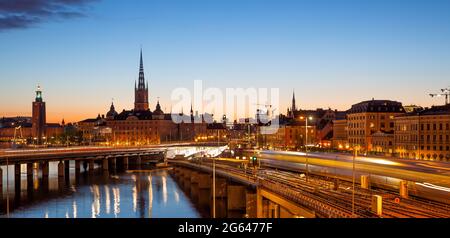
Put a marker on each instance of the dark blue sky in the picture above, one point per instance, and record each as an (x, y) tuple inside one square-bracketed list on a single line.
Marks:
[(333, 53)]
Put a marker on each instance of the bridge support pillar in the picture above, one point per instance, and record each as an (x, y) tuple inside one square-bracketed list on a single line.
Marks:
[(91, 166), (17, 178), (45, 169), (105, 164), (77, 167), (1, 179), (66, 168), (236, 201), (221, 187), (204, 191), (259, 204), (61, 169), (404, 189), (17, 183), (113, 163), (85, 166), (194, 186), (187, 181), (220, 197), (365, 182), (377, 204), (29, 169), (138, 160), (17, 170), (274, 210), (250, 204)]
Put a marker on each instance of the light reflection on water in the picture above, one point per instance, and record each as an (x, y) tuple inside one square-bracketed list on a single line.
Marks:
[(123, 195)]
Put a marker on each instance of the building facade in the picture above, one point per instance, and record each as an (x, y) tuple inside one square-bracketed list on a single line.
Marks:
[(424, 134), (320, 119), (340, 134), (368, 117)]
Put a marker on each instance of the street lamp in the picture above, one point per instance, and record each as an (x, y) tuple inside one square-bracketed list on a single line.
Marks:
[(306, 143), (353, 180), (214, 177)]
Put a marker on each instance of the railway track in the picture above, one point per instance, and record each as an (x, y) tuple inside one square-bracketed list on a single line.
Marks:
[(322, 190)]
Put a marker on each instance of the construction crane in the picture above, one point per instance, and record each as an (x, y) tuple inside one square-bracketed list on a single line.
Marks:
[(445, 92), (268, 112), (19, 128)]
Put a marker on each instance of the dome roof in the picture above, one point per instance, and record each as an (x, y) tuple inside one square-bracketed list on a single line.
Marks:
[(158, 110), (112, 112)]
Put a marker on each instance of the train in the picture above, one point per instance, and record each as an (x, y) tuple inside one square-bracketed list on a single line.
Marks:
[(425, 179)]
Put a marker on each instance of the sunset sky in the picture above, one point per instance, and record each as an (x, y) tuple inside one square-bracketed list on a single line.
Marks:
[(332, 53)]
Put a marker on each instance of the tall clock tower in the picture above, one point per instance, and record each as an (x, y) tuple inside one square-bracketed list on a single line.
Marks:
[(38, 117)]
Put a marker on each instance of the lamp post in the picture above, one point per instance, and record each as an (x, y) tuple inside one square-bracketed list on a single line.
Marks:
[(306, 144), (353, 180), (214, 177), (7, 187)]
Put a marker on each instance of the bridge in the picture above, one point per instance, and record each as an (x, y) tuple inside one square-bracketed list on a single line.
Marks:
[(241, 190), (91, 158), (271, 193)]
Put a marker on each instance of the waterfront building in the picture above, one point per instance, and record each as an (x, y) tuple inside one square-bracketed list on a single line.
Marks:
[(141, 125), (31, 130)]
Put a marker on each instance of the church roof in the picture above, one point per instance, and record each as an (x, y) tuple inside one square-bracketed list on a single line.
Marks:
[(158, 110), (141, 115), (112, 112)]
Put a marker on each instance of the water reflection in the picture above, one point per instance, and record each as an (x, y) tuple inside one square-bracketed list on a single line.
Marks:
[(164, 188), (74, 208), (107, 200), (150, 195), (137, 194), (116, 193)]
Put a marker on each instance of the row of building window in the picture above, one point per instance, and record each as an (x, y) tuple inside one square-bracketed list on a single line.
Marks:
[(435, 148), (371, 125), (370, 117), (424, 127), (429, 138)]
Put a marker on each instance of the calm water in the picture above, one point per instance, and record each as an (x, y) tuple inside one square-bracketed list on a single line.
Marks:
[(144, 194)]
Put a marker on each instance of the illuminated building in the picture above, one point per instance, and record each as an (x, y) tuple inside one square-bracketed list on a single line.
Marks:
[(340, 137), (140, 125), (366, 118), (322, 122), (424, 134), (34, 130), (38, 117)]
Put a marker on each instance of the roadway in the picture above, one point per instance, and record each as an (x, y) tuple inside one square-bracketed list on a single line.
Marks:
[(25, 155)]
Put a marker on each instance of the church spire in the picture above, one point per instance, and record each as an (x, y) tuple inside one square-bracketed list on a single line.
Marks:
[(294, 108), (141, 91), (141, 84)]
